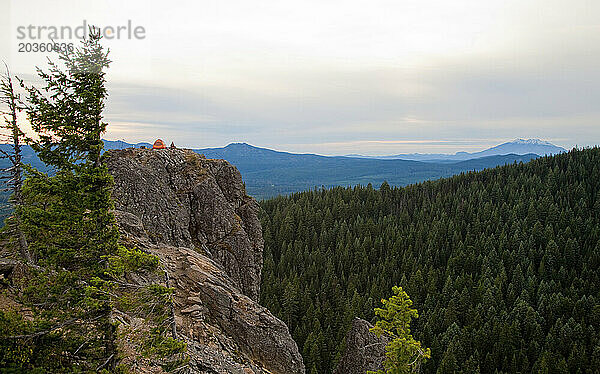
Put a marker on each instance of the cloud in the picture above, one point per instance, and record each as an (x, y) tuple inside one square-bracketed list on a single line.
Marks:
[(348, 77)]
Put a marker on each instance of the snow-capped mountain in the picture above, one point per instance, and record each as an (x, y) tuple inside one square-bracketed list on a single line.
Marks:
[(531, 141), (517, 147), (521, 147)]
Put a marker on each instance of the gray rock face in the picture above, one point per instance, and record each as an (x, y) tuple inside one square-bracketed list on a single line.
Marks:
[(364, 350), (193, 214), (220, 322), (185, 200)]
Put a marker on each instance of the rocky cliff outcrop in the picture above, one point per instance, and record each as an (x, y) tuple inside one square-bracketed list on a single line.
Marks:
[(364, 350), (186, 200), (194, 214)]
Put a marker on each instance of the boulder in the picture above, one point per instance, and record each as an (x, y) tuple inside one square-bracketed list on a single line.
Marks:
[(364, 350)]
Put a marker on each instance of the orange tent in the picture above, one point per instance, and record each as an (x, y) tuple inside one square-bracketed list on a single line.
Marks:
[(159, 144)]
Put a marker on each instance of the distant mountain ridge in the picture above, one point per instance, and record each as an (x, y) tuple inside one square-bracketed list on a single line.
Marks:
[(517, 147), (120, 144), (268, 173)]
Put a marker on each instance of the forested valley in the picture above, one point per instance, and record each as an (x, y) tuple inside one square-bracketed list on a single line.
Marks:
[(502, 265)]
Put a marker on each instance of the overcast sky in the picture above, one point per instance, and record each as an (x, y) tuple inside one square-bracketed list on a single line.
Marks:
[(338, 77)]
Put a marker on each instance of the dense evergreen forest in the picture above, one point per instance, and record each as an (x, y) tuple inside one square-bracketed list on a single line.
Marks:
[(502, 265)]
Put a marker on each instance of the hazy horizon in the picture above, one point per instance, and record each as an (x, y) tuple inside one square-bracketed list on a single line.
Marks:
[(323, 154)]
